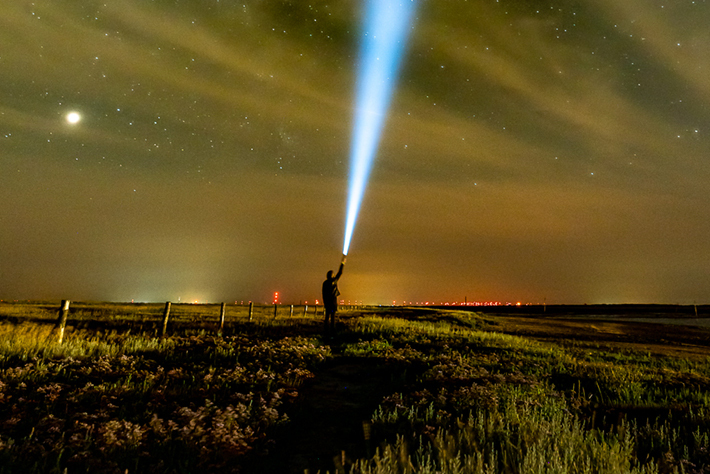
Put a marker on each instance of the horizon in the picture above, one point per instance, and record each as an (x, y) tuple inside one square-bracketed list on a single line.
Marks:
[(435, 304)]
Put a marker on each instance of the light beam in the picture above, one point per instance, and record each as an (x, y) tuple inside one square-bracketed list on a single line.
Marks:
[(386, 25)]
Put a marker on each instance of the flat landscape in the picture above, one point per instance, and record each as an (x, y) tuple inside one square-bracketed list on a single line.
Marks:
[(611, 389)]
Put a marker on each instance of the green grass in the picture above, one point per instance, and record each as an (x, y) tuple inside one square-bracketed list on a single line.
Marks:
[(521, 435), (115, 397), (109, 400), (547, 407)]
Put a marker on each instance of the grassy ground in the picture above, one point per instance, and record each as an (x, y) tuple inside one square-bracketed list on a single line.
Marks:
[(394, 390)]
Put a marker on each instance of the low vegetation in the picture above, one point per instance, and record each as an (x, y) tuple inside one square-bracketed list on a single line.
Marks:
[(469, 398)]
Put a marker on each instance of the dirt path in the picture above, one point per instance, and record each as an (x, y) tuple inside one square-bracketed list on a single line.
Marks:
[(656, 338), (327, 420)]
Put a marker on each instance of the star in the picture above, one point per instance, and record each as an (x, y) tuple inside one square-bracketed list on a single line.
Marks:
[(73, 117)]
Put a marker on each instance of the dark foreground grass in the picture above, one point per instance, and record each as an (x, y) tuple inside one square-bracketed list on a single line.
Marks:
[(465, 397), (490, 402)]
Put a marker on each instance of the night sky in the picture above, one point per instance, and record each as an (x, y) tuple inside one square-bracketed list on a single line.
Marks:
[(534, 151)]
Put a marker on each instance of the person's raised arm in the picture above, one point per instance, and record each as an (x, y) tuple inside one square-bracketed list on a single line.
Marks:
[(340, 270)]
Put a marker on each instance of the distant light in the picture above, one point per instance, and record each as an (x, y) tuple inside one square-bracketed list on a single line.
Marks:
[(73, 117)]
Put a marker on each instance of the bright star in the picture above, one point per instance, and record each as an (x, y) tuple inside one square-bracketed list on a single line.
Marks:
[(73, 117)]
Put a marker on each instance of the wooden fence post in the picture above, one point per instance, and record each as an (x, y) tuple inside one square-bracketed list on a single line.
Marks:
[(221, 318), (367, 432), (166, 315), (291, 314), (62, 320), (251, 309)]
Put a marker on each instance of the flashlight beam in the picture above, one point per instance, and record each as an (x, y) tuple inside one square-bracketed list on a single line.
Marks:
[(387, 23)]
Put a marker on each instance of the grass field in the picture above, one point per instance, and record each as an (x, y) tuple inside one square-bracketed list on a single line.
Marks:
[(395, 390)]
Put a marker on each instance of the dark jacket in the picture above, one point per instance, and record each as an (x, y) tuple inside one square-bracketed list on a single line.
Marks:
[(330, 290)]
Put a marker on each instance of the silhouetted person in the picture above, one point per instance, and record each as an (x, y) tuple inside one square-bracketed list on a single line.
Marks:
[(330, 295)]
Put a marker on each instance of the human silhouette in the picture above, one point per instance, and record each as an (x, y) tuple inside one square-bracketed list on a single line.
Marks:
[(330, 295)]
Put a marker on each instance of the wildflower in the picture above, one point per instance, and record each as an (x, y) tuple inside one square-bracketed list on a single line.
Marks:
[(51, 392), (120, 434)]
